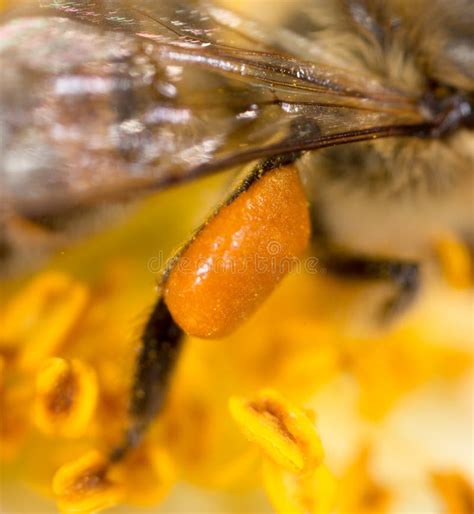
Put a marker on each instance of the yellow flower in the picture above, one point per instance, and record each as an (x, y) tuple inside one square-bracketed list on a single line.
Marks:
[(68, 339), (66, 397), (283, 431)]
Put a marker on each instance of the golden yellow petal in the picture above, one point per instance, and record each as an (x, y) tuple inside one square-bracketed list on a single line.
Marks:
[(283, 431)]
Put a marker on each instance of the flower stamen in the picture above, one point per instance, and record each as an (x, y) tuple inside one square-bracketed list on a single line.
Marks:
[(282, 431), (66, 397)]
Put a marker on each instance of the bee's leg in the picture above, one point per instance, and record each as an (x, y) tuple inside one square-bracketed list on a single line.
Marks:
[(403, 274), (161, 342), (266, 213)]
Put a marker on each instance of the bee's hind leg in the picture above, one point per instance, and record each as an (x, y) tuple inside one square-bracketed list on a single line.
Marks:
[(271, 184), (161, 342), (403, 274)]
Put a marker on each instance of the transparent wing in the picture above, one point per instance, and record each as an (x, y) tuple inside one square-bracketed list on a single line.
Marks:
[(107, 99)]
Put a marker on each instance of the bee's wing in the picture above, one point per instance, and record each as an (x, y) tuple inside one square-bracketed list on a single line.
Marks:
[(133, 99)]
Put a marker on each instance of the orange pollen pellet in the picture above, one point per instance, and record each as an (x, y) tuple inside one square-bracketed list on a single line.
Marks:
[(240, 256)]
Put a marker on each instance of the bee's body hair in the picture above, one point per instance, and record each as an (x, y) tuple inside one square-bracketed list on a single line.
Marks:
[(395, 195)]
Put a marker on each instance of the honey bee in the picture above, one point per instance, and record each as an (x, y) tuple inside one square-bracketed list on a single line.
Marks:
[(352, 124)]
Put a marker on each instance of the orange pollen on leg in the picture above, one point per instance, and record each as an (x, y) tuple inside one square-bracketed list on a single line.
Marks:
[(240, 256)]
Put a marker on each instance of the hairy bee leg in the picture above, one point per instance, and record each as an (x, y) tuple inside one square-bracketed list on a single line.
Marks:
[(404, 274), (162, 336), (161, 343)]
